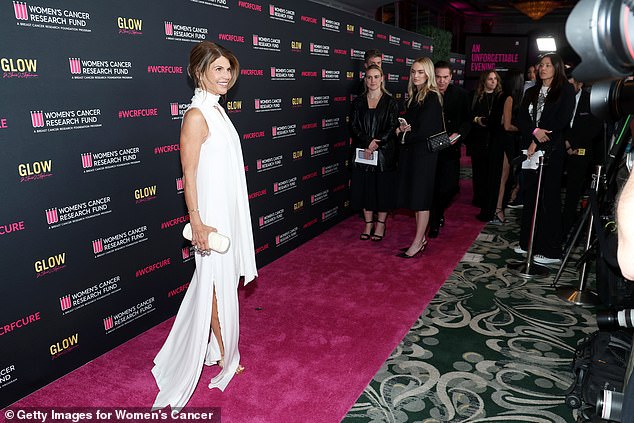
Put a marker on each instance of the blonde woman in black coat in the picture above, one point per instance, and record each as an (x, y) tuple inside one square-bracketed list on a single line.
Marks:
[(417, 163), (374, 120)]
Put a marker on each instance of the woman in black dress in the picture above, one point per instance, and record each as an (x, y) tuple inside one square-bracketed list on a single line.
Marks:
[(483, 106), (374, 119), (504, 145), (417, 163), (546, 112)]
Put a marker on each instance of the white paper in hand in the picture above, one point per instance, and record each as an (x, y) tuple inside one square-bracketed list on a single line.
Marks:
[(360, 157), (217, 242), (532, 162)]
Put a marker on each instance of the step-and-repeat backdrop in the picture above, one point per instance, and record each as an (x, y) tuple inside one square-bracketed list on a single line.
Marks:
[(92, 99), (458, 62)]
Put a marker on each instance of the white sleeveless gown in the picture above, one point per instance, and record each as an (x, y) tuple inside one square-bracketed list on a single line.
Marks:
[(223, 203)]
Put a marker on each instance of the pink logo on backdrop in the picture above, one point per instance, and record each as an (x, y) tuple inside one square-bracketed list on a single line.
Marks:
[(185, 252), (261, 221), (52, 216), (255, 40), (108, 323), (37, 119), (20, 10), (271, 9), (312, 47), (277, 240), (257, 103), (323, 73), (323, 123), (174, 109), (274, 130), (86, 160), (259, 164), (65, 303), (169, 28), (97, 246), (312, 150), (312, 99), (272, 72), (179, 184), (323, 21), (75, 65), (275, 187)]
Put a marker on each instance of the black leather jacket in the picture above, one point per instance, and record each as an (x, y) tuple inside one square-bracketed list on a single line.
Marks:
[(380, 125)]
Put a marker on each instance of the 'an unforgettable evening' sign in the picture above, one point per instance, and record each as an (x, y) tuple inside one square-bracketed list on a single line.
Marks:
[(499, 53)]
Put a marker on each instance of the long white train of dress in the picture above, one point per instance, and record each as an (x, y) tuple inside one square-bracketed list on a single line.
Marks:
[(223, 203)]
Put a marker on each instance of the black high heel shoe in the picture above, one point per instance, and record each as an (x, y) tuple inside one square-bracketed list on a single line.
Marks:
[(366, 236), (420, 251), (497, 220), (375, 237)]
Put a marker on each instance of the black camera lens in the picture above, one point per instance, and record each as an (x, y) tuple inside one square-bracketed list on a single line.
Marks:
[(611, 320), (607, 320), (601, 33)]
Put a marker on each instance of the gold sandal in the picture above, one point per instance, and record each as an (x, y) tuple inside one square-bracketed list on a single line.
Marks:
[(239, 370)]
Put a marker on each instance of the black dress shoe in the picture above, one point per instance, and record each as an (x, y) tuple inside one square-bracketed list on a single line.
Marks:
[(418, 253), (433, 232)]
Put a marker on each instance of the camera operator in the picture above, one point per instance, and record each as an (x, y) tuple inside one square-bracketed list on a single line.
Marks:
[(625, 225), (579, 140)]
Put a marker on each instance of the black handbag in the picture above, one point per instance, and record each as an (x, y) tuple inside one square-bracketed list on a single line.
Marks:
[(439, 141)]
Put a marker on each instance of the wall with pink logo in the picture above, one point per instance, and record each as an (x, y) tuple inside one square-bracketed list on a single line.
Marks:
[(92, 99)]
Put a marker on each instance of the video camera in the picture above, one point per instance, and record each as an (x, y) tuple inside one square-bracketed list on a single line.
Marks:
[(609, 403), (602, 33)]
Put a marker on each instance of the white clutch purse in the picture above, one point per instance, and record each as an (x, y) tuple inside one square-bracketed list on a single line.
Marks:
[(217, 242)]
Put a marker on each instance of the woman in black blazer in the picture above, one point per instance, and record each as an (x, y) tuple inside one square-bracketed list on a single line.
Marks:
[(374, 119), (545, 115), (417, 163)]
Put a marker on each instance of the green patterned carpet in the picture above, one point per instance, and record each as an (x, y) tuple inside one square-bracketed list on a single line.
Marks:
[(490, 347)]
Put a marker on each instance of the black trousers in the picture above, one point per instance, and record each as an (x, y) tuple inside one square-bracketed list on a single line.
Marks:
[(548, 231), (578, 172)]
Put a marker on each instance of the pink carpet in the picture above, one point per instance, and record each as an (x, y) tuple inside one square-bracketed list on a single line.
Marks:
[(316, 327)]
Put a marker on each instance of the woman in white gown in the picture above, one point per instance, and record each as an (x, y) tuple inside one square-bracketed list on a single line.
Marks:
[(217, 200)]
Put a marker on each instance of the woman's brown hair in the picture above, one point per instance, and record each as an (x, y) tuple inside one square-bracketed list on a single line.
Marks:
[(203, 55)]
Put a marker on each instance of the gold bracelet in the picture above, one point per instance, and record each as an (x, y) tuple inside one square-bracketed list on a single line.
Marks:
[(193, 211)]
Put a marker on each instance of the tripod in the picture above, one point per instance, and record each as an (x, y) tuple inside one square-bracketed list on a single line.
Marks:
[(579, 295)]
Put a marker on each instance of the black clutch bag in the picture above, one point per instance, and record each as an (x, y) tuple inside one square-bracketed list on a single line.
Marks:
[(438, 141), (441, 140)]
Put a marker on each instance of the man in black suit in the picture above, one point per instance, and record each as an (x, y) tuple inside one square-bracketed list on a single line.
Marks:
[(456, 111), (580, 138), (372, 57)]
